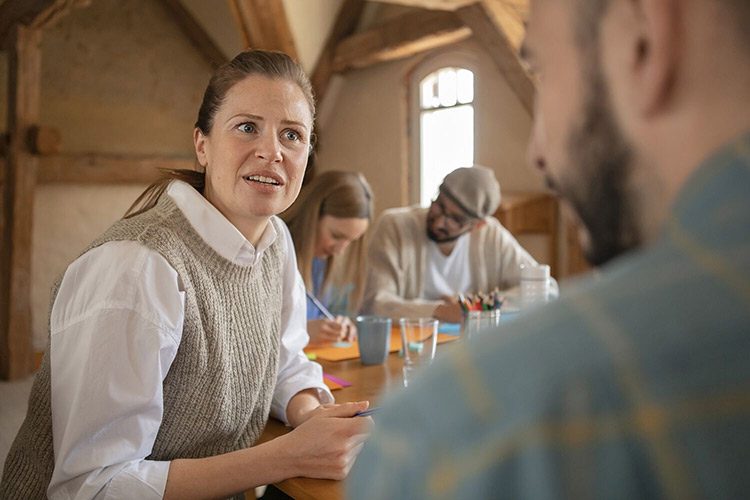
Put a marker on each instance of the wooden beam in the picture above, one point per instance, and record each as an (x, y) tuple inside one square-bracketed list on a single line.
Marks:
[(481, 17), (346, 22), (264, 25), (43, 140), (234, 7), (195, 33), (401, 37), (430, 4), (24, 73), (34, 13), (509, 15), (106, 169)]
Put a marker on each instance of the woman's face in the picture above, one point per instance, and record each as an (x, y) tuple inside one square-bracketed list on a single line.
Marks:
[(256, 152), (335, 234)]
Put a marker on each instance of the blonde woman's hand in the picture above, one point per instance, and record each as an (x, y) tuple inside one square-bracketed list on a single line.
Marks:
[(350, 331), (324, 331)]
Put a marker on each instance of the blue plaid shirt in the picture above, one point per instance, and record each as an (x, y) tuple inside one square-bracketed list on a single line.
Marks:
[(636, 385)]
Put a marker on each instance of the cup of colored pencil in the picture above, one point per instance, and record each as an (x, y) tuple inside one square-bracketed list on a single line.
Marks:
[(481, 312)]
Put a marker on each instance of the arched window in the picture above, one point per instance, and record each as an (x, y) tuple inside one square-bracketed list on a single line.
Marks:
[(446, 126)]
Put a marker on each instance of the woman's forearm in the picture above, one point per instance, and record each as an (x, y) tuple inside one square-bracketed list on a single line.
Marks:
[(299, 407), (324, 446), (225, 475)]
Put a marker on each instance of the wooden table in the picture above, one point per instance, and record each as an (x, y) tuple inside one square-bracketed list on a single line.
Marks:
[(368, 383)]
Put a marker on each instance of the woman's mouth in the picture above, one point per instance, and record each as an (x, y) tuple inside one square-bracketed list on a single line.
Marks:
[(262, 179)]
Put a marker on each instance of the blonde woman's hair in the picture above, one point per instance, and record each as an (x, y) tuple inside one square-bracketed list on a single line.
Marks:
[(338, 194), (268, 63)]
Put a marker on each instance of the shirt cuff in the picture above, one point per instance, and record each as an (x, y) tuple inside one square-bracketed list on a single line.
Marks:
[(312, 378), (145, 479)]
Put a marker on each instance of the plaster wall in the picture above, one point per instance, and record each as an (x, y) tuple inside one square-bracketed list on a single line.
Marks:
[(367, 128), (216, 18), (118, 77)]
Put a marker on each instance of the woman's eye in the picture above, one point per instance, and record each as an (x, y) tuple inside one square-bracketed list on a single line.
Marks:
[(291, 135), (247, 128)]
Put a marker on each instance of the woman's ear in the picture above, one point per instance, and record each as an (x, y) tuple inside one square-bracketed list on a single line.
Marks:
[(200, 143), (655, 52)]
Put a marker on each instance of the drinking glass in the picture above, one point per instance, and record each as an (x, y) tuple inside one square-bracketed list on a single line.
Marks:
[(476, 321), (419, 342)]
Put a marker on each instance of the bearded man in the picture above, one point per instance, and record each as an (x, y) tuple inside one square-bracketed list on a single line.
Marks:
[(636, 384), (420, 259)]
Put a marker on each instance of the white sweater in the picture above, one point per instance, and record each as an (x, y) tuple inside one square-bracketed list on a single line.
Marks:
[(395, 282)]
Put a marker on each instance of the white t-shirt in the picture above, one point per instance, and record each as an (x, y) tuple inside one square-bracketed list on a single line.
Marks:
[(447, 275)]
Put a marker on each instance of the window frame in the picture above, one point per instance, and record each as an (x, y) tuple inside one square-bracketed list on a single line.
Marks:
[(456, 59)]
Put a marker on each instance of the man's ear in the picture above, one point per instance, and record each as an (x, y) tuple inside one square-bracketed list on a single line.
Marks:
[(655, 51), (199, 141)]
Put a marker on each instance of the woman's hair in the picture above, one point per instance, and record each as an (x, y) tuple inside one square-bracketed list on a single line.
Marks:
[(270, 64), (338, 194)]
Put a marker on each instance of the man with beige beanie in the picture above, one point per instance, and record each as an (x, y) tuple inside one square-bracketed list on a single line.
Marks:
[(421, 258)]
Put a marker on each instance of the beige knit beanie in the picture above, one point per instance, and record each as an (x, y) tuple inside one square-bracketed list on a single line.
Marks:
[(475, 189)]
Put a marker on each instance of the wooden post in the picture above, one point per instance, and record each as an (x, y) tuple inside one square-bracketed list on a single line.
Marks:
[(345, 24), (24, 69), (488, 23)]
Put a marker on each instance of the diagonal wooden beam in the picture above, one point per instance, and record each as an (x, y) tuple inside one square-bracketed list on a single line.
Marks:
[(34, 13), (195, 33), (346, 22), (264, 25), (482, 18), (24, 73), (510, 16), (430, 4), (401, 37)]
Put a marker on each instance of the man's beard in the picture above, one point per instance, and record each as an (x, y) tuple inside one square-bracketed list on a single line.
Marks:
[(441, 238), (600, 193)]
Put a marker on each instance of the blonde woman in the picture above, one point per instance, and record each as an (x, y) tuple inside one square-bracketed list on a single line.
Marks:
[(327, 223)]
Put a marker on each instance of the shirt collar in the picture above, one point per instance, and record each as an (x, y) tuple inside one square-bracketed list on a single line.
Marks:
[(215, 229)]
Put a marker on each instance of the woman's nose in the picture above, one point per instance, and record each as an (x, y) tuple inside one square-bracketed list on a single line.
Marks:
[(269, 148)]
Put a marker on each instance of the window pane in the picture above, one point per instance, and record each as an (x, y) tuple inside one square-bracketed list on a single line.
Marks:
[(447, 143), (465, 86), (428, 91), (447, 87)]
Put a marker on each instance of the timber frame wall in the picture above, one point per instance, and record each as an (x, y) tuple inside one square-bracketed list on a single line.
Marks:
[(29, 153), (29, 156)]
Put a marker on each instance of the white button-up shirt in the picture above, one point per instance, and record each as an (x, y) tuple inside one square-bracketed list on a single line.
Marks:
[(115, 328)]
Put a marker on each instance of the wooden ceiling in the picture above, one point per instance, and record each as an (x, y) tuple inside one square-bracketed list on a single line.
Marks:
[(495, 24)]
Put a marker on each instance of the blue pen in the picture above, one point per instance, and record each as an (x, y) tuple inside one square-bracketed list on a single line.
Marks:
[(320, 306), (368, 412)]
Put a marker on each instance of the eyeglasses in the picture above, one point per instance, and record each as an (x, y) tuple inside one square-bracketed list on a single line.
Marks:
[(452, 221)]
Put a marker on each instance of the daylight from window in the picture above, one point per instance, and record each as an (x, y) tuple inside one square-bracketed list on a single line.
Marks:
[(446, 125)]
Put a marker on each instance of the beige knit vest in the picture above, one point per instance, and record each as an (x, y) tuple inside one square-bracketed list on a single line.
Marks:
[(218, 391)]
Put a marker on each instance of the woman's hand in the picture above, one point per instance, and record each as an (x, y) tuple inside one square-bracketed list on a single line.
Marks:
[(323, 331), (326, 444), (350, 331)]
